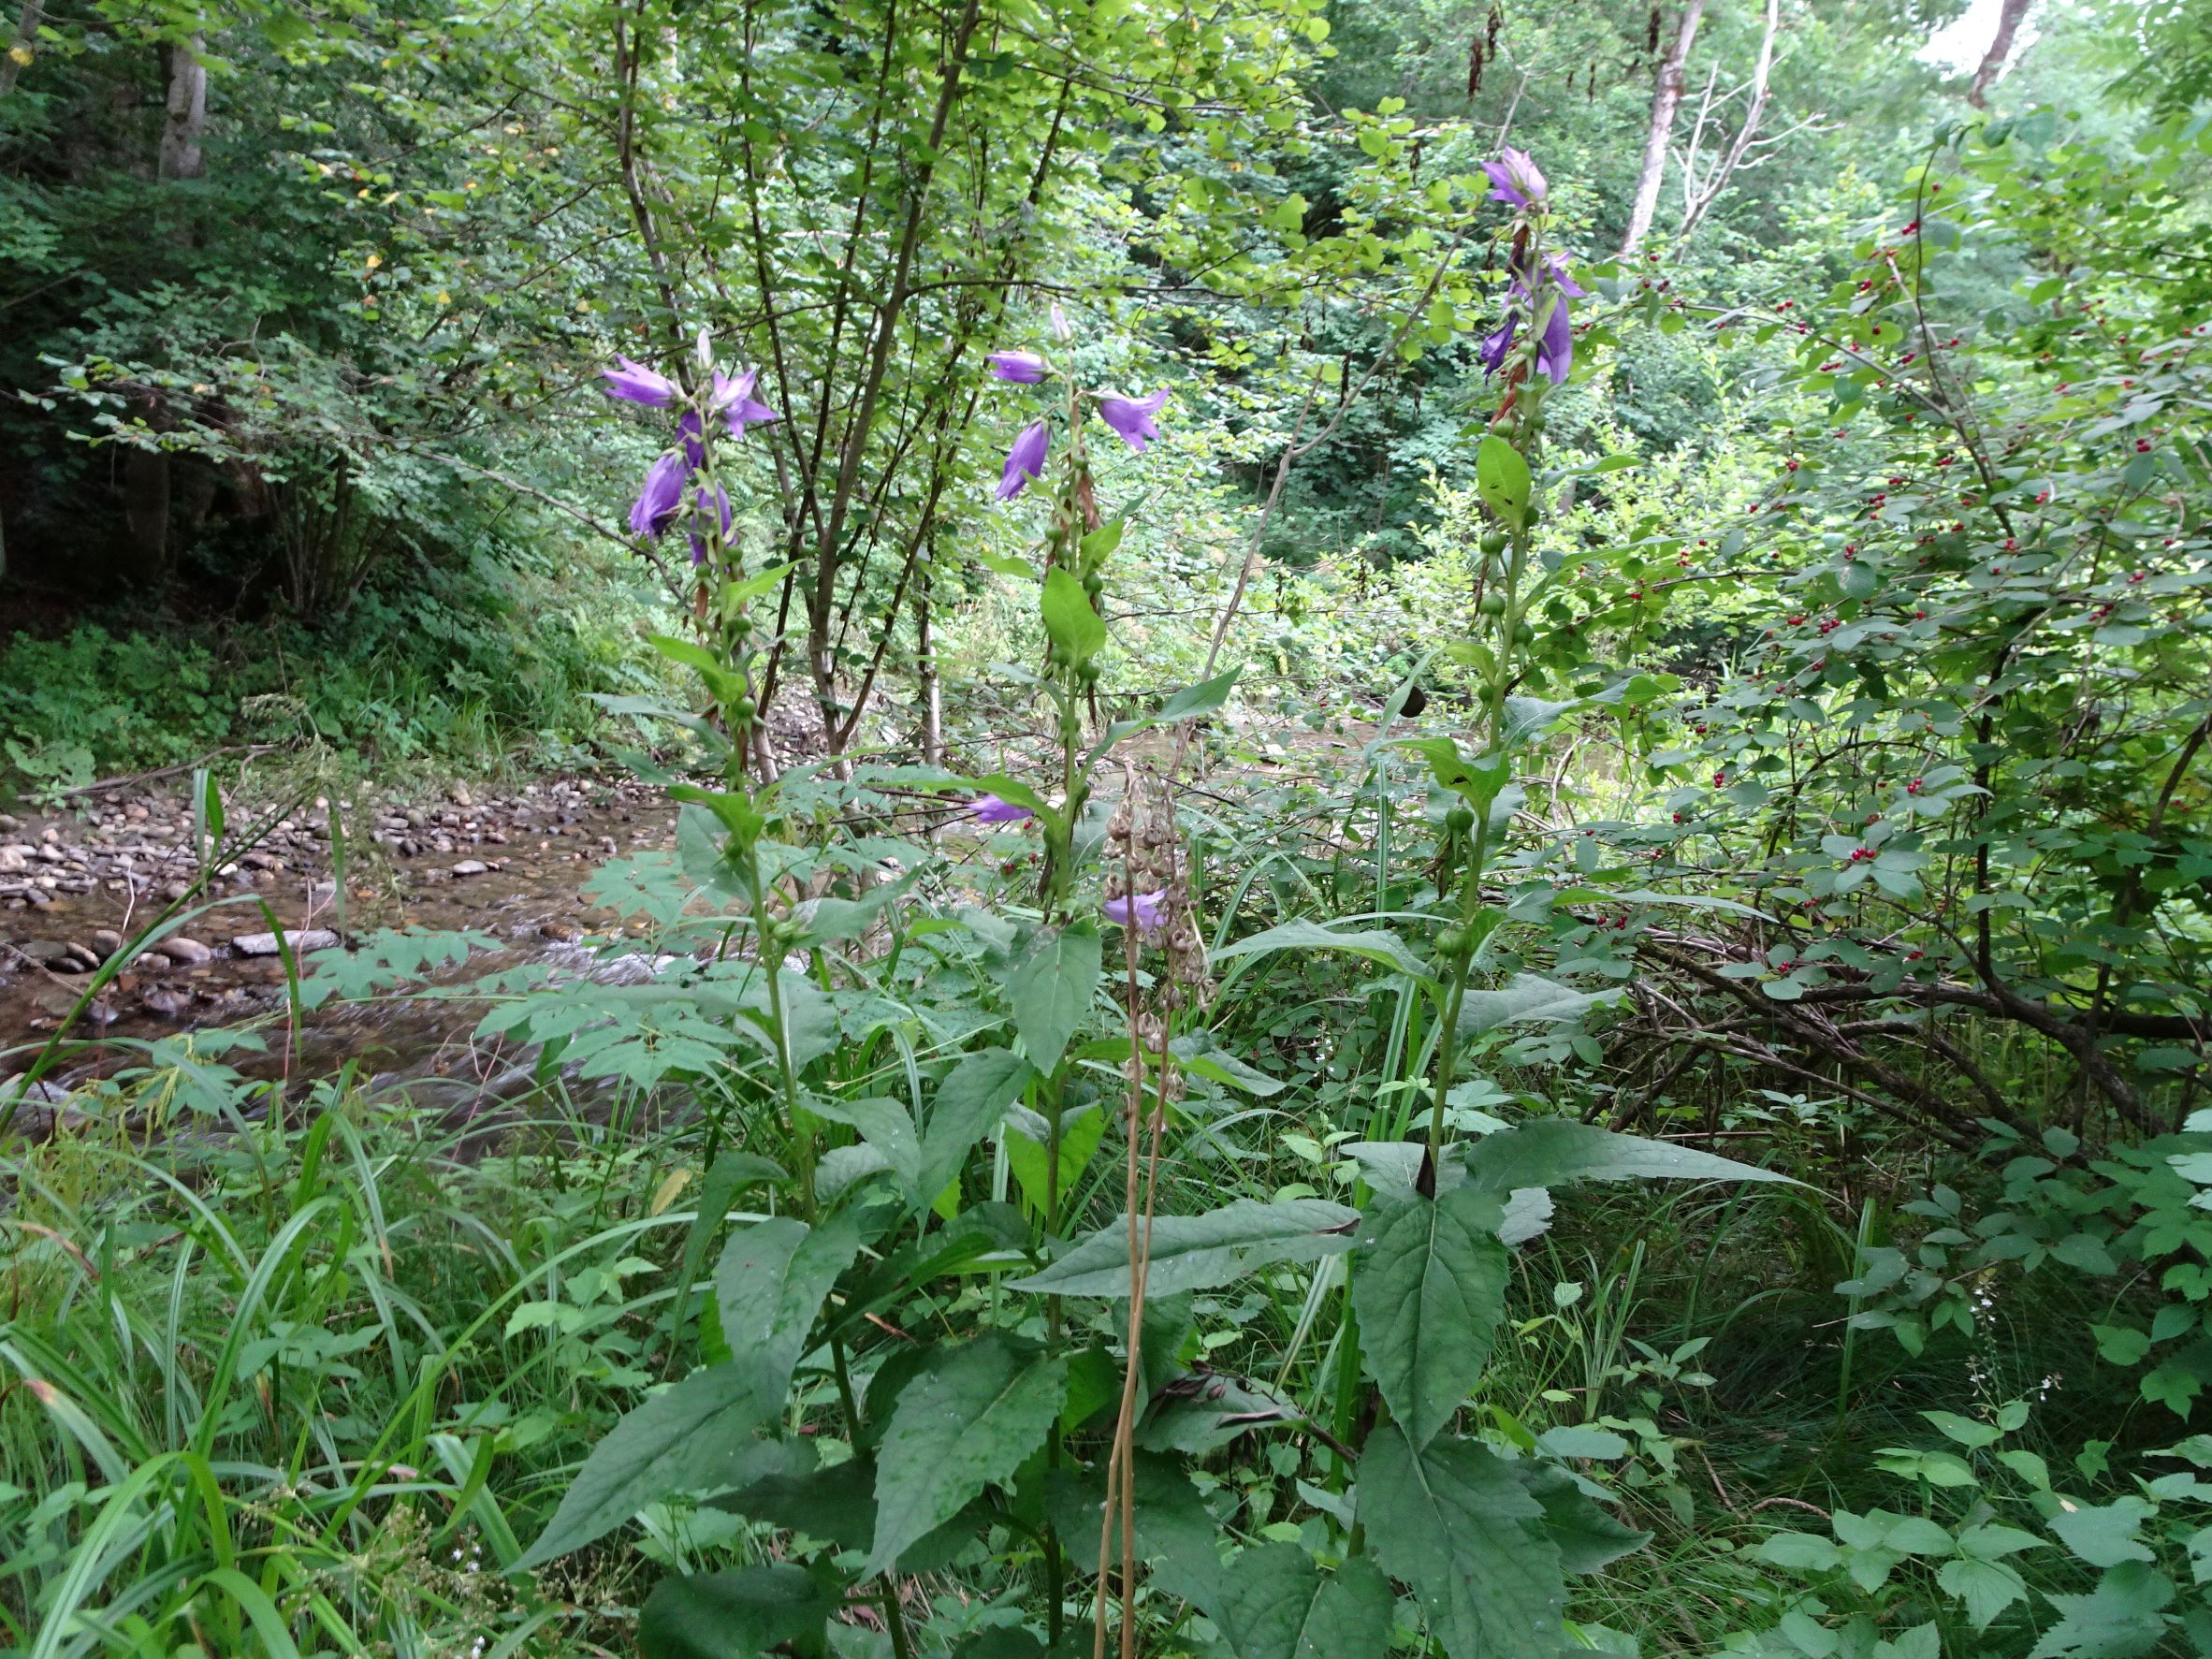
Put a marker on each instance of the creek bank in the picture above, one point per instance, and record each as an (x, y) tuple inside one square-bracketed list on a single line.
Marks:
[(76, 890)]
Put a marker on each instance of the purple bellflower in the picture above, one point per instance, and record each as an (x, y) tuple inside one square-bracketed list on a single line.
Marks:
[(1555, 347), (705, 506), (733, 400), (1132, 417), (694, 437), (1517, 181), (635, 383), (662, 494), (1021, 368), (1147, 909), (991, 809), (1025, 460)]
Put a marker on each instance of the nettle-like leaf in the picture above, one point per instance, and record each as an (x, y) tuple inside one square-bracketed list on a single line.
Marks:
[(1428, 1293), (1048, 986), (1198, 1252), (976, 1412), (1374, 943), (1175, 1533), (1452, 1520), (770, 1283), (742, 1612), (1549, 1152), (1276, 1603), (973, 1097), (679, 1440)]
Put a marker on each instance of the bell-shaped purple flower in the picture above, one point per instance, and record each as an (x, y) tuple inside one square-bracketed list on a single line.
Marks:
[(733, 400), (662, 494), (635, 383), (1548, 293), (1132, 417), (1147, 910), (1021, 368), (698, 550), (1516, 179), (694, 437), (702, 505), (991, 809), (1025, 460)]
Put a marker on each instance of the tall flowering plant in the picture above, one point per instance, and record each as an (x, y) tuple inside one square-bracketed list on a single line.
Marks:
[(1532, 351), (681, 494)]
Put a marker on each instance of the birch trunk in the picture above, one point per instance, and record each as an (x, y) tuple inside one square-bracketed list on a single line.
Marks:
[(2008, 24), (1666, 97)]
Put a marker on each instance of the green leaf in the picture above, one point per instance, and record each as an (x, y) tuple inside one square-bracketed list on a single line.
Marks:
[(732, 1615), (1428, 1293), (973, 1097), (2122, 1617), (1588, 1537), (968, 1419), (2104, 1534), (1548, 1152), (1073, 626), (1049, 988), (1175, 1532), (1524, 997), (886, 1125), (1453, 1521), (1030, 1159), (1799, 1553), (673, 1442), (1502, 478), (771, 1281), (1374, 943), (1203, 698), (1198, 1252), (1275, 1603), (1987, 1588)]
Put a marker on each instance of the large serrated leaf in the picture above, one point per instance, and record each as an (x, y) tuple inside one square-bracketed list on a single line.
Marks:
[(1275, 1603), (974, 1095), (1198, 1252), (677, 1440), (1429, 1291), (1553, 1150), (1049, 988), (732, 1615), (1374, 943), (1175, 1532), (970, 1419), (1528, 997), (771, 1281), (1453, 1521), (1587, 1536)]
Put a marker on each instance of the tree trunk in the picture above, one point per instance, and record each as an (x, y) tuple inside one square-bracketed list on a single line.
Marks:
[(186, 121), (26, 45), (146, 483), (1666, 97), (933, 709), (1702, 197), (2008, 23)]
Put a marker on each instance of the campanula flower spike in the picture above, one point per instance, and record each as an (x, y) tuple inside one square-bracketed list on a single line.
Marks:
[(681, 492), (1516, 181), (1025, 460), (1021, 368), (662, 494), (991, 809), (633, 383), (1132, 417)]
